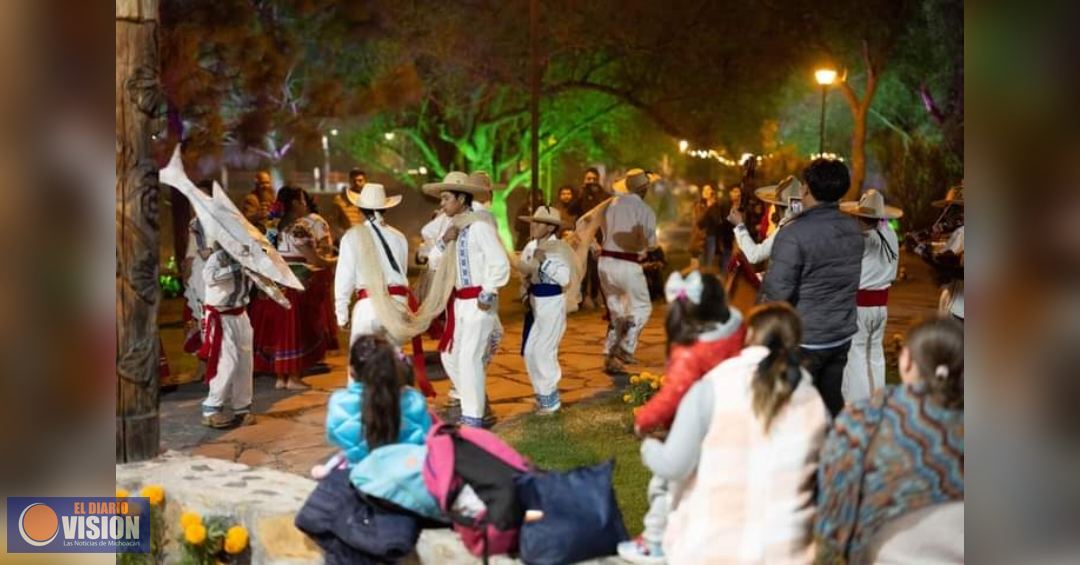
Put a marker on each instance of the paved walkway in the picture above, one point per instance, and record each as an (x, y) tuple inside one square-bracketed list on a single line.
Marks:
[(289, 434)]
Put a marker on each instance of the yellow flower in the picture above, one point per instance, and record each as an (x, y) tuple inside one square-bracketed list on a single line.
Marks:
[(190, 518), (654, 385), (195, 534), (121, 493), (626, 398), (155, 493), (236, 540), (634, 379)]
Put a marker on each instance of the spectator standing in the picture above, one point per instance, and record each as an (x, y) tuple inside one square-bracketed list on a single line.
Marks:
[(815, 265), (592, 194), (257, 203)]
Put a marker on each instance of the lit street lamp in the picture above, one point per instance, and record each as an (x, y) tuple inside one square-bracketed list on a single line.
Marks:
[(824, 77)]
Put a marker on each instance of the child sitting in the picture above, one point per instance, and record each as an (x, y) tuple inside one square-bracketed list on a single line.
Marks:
[(378, 407), (702, 331)]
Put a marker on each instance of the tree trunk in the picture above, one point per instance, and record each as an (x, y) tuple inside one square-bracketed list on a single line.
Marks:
[(858, 151), (138, 100)]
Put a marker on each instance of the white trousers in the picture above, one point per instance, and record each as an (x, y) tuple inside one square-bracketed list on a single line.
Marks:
[(865, 369), (475, 336), (627, 293), (364, 321), (542, 348), (233, 380)]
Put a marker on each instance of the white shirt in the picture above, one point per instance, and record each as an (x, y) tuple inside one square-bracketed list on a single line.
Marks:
[(881, 257), (629, 225), (552, 271), (433, 231), (955, 294), (348, 278), (226, 284), (757, 252), (481, 258)]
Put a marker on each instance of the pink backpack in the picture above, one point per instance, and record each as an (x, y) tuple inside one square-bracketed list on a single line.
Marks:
[(472, 459)]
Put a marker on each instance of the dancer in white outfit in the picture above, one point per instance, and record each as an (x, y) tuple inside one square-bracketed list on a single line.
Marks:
[(865, 369), (481, 267), (227, 341), (546, 262), (629, 232)]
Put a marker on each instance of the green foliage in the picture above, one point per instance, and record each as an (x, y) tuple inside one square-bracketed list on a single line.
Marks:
[(918, 170)]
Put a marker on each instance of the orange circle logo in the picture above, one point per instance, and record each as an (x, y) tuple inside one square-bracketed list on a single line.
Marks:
[(38, 524)]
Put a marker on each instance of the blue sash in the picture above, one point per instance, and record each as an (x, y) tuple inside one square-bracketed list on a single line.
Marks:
[(543, 291)]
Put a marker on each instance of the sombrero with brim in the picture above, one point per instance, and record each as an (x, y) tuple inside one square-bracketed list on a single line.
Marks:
[(955, 195), (544, 215), (634, 179), (372, 197), (871, 205), (457, 181), (780, 193)]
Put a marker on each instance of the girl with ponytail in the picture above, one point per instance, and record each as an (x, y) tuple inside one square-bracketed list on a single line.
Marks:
[(378, 407), (748, 434), (892, 471)]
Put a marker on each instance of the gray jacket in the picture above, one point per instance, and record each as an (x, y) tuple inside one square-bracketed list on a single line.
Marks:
[(815, 265)]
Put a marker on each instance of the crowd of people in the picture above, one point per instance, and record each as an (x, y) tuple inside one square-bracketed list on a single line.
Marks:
[(773, 437)]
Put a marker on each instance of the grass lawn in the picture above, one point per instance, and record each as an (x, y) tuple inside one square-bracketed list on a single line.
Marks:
[(587, 433)]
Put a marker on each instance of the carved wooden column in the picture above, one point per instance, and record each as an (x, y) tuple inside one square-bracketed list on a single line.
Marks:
[(138, 101)]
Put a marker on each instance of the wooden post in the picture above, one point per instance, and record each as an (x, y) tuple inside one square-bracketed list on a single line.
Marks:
[(138, 103)]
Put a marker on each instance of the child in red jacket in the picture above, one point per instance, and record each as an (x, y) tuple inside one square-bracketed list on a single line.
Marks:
[(702, 331)]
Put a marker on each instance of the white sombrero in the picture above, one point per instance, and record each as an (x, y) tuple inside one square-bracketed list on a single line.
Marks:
[(781, 193), (871, 205), (372, 197), (457, 181), (544, 215), (634, 179)]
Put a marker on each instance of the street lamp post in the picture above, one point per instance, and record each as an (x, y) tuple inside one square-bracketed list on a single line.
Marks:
[(824, 77), (326, 159)]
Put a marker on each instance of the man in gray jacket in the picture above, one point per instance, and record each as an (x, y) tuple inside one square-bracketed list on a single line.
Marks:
[(815, 265)]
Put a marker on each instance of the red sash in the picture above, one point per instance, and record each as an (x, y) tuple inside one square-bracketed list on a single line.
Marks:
[(210, 350), (867, 298), (632, 257), (419, 366), (468, 293)]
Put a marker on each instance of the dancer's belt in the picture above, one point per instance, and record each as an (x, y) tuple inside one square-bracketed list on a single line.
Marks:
[(210, 350), (542, 291), (867, 298), (468, 293), (631, 257), (419, 365)]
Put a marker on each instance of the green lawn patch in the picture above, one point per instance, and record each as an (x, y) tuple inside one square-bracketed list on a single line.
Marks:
[(583, 434)]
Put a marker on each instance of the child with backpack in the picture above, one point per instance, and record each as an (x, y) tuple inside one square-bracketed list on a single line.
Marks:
[(702, 331), (378, 407)]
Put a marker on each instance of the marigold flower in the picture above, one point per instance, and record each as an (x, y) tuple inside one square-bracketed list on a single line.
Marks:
[(634, 379), (626, 398), (155, 493), (195, 534), (654, 385), (121, 493), (190, 518), (236, 540)]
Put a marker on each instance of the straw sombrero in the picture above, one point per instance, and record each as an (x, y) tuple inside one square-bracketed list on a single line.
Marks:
[(955, 195), (780, 193), (634, 179), (372, 197), (871, 205), (457, 181), (544, 215)]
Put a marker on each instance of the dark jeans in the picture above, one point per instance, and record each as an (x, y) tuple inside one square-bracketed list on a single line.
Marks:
[(827, 368)]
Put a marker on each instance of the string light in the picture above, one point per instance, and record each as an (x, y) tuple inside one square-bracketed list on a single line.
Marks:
[(684, 147), (827, 156)]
